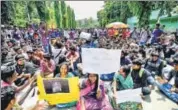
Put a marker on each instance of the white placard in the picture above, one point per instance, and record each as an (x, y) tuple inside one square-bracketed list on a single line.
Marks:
[(132, 95), (85, 35), (66, 34), (100, 61)]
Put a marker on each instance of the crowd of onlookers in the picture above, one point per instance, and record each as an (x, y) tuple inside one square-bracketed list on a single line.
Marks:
[(57, 53)]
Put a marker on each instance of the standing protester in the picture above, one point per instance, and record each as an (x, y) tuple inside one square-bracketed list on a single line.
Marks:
[(134, 34), (44, 37), (145, 35), (157, 32)]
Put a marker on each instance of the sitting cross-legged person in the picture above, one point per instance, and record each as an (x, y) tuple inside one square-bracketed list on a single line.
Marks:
[(93, 95), (9, 76), (170, 86), (8, 100), (64, 73), (123, 80), (24, 69), (47, 66), (140, 77)]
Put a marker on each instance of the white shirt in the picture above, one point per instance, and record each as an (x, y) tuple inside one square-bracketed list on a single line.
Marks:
[(56, 52), (144, 36)]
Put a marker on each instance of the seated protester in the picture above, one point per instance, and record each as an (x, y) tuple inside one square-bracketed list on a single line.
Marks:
[(173, 56), (142, 51), (24, 50), (38, 53), (11, 43), (170, 86), (124, 60), (7, 97), (140, 77), (47, 66), (32, 59), (73, 57), (8, 100), (5, 56), (24, 69), (17, 50), (134, 55), (123, 79), (61, 46), (93, 95), (169, 49), (58, 51), (9, 75), (154, 65), (63, 69), (159, 49)]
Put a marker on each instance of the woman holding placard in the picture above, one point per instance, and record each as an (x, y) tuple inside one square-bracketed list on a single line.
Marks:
[(63, 71), (93, 95), (63, 68), (123, 79)]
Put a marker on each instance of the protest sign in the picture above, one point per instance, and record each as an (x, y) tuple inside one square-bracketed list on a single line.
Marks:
[(100, 61), (85, 35), (130, 95), (66, 34), (58, 90)]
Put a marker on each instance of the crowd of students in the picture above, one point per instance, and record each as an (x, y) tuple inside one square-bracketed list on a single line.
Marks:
[(144, 58)]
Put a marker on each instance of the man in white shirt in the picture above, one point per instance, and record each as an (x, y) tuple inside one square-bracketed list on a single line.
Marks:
[(134, 34), (144, 35)]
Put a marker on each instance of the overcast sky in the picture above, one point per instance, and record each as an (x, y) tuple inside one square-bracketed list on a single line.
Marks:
[(85, 9)]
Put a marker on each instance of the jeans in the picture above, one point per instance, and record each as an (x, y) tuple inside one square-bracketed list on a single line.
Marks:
[(151, 80), (165, 88)]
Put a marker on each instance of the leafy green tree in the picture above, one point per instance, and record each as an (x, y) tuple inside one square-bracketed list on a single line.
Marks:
[(7, 12), (69, 17), (142, 9), (73, 19), (54, 13), (42, 10), (57, 13), (64, 16)]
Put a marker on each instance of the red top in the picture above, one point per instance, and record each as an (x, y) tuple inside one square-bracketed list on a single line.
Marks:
[(111, 32)]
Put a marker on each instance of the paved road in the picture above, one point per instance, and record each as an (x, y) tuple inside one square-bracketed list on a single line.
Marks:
[(156, 101)]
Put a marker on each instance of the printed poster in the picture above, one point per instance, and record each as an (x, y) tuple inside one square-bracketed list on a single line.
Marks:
[(58, 90)]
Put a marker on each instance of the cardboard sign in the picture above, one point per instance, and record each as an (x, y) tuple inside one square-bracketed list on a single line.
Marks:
[(132, 95), (100, 61), (58, 90), (66, 34), (85, 35)]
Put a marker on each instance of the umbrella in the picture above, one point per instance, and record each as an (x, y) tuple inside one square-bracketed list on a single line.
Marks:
[(117, 25)]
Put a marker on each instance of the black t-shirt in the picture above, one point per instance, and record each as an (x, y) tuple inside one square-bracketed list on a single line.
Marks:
[(139, 81)]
